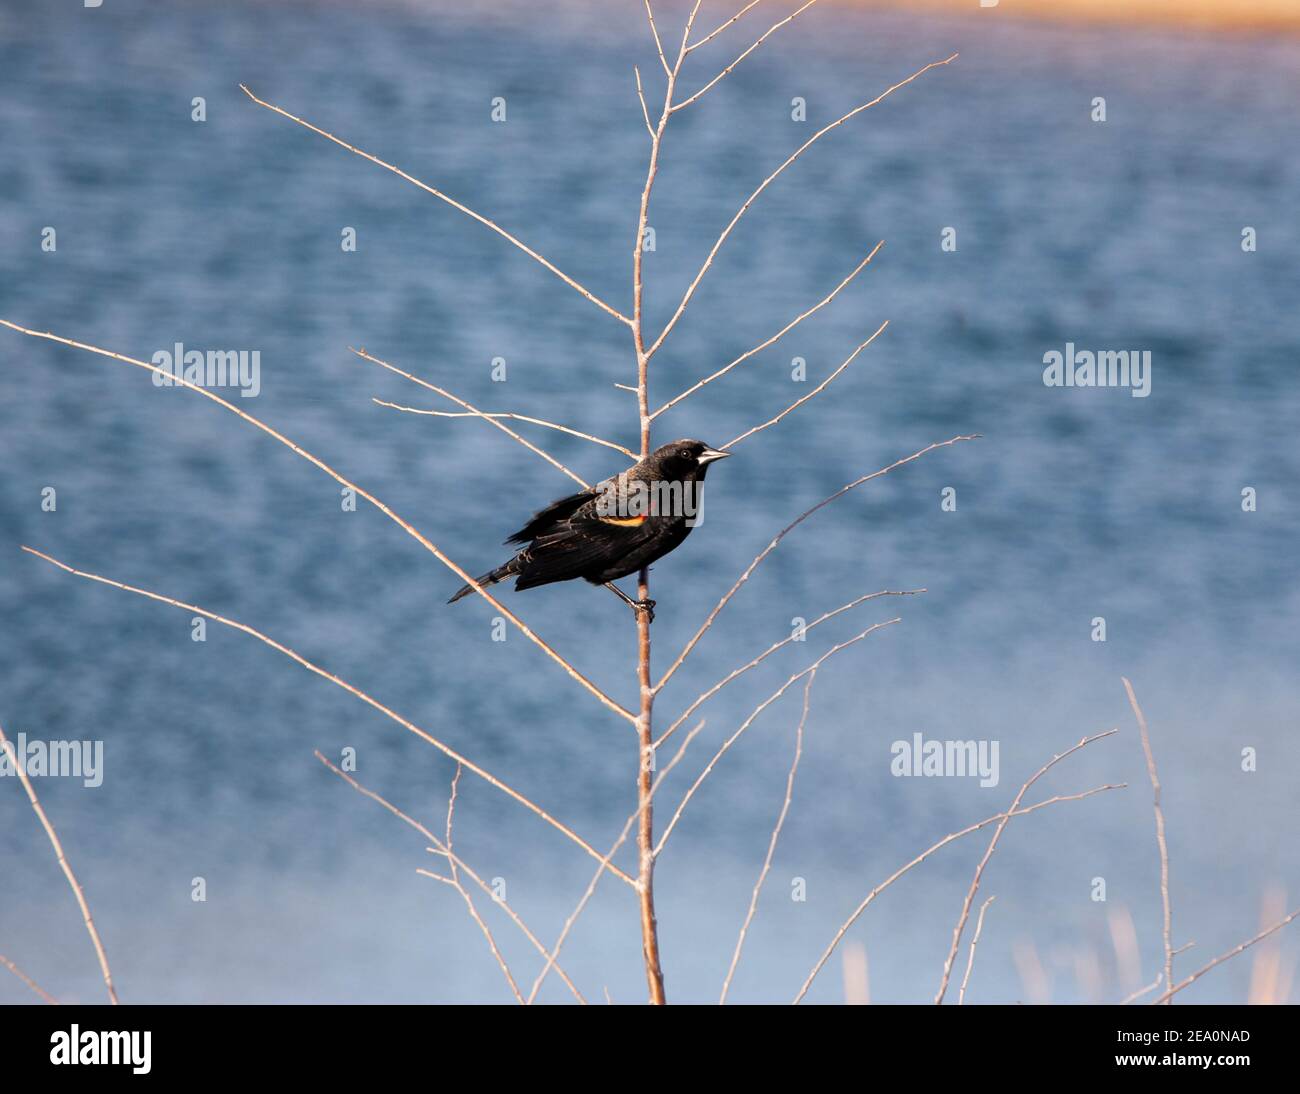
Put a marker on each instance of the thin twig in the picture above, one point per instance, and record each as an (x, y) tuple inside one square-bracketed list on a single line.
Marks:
[(988, 854), (491, 419), (970, 957), (857, 912), (451, 811), (643, 354), (771, 843), (1160, 836), (708, 693), (714, 33), (444, 848), (726, 232), (388, 712), (762, 38), (21, 768), (1224, 957), (453, 864), (316, 461), (770, 341), (645, 111), (726, 599), (487, 223), (45, 995), (654, 30), (811, 395), (726, 745), (504, 414), (451, 882), (1135, 996)]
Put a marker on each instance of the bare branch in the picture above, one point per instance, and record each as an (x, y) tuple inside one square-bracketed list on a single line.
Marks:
[(771, 844), (776, 337), (1224, 957), (20, 766), (839, 935), (726, 232), (762, 38), (658, 44), (454, 883), (475, 412), (645, 740), (988, 854), (449, 200), (708, 694), (638, 253), (451, 813), (812, 394), (1135, 996), (453, 864), (714, 33), (970, 957), (622, 838), (443, 847), (388, 712), (645, 111), (645, 813), (642, 389), (503, 414), (713, 615), (726, 745), (409, 529), (1160, 837), (45, 995)]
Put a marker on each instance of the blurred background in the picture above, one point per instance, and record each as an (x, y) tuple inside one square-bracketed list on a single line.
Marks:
[(1077, 503)]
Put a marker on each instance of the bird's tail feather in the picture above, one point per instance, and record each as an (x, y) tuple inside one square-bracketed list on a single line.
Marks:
[(489, 578)]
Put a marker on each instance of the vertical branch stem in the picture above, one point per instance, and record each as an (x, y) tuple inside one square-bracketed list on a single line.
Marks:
[(644, 732), (644, 723), (1167, 998), (645, 835)]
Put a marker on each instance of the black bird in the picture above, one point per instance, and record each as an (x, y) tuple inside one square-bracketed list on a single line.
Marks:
[(614, 529)]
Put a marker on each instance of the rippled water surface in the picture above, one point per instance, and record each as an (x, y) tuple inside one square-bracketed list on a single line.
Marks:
[(1076, 503)]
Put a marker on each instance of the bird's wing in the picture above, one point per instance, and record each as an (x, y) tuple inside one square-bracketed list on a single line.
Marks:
[(577, 548), (548, 520)]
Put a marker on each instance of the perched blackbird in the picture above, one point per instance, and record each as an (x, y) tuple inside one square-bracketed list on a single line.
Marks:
[(613, 529)]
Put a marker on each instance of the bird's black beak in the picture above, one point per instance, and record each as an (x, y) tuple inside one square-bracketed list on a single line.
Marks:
[(709, 455)]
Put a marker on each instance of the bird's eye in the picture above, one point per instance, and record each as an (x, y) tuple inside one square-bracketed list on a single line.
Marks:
[(686, 454)]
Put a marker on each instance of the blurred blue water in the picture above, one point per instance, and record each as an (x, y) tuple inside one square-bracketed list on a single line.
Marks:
[(1076, 504)]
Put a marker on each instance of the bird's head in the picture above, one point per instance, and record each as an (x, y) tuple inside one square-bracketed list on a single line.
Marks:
[(683, 461)]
